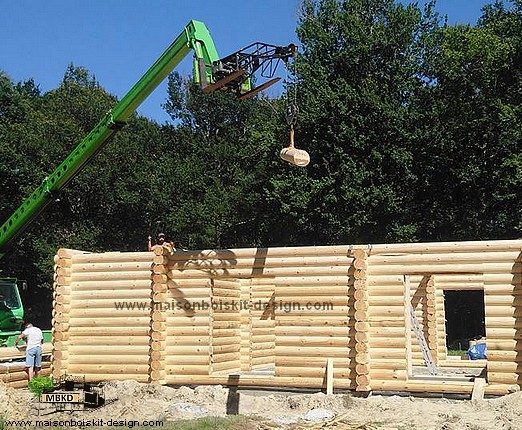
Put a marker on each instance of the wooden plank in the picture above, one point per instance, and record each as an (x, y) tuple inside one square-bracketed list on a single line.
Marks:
[(479, 385)]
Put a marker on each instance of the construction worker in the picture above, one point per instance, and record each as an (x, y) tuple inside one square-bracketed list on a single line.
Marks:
[(160, 242), (33, 352)]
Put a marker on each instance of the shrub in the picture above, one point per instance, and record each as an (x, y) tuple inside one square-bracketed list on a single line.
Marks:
[(38, 384)]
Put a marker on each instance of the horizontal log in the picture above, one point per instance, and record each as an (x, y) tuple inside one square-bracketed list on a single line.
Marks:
[(262, 362), (187, 350), (116, 321), (191, 294), (197, 283), (119, 285), (506, 300), (318, 361), (110, 276), (211, 265), (503, 367), (504, 378), (108, 359), (109, 341), (69, 253), (176, 360), (503, 311), (225, 366), (374, 249), (225, 294), (501, 322), (113, 266), (110, 295), (497, 267), (188, 340), (504, 333), (62, 262), (320, 282), (122, 350), (11, 352), (313, 351), (186, 369), (107, 313), (307, 372), (104, 376), (445, 258), (327, 331), (111, 257), (269, 272), (263, 338), (256, 380), (316, 341), (109, 331), (110, 369), (339, 362), (319, 321)]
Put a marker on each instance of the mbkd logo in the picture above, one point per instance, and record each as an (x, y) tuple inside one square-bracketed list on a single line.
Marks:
[(61, 397)]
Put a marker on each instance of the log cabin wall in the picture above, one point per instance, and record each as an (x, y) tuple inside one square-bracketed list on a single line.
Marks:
[(277, 316)]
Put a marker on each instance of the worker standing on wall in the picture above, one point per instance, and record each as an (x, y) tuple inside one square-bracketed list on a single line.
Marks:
[(160, 242), (33, 352)]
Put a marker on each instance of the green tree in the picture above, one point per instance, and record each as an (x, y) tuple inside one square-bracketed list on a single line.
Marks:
[(470, 135), (361, 62)]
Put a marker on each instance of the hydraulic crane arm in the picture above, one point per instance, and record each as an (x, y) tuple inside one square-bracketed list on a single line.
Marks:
[(210, 72)]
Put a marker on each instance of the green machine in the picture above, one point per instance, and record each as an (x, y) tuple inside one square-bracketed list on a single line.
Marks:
[(233, 73)]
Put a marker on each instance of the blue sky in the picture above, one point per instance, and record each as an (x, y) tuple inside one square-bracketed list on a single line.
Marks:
[(118, 40)]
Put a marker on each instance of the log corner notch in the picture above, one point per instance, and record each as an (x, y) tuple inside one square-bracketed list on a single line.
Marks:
[(61, 310), (362, 350), (158, 316)]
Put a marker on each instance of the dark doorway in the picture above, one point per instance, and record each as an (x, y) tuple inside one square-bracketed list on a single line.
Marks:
[(464, 318)]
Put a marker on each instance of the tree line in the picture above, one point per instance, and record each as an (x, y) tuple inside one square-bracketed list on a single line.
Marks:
[(413, 127)]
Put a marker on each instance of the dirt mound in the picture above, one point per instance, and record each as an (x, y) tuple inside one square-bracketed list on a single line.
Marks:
[(131, 400)]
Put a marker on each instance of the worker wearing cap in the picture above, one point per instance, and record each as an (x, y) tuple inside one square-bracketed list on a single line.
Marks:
[(160, 242)]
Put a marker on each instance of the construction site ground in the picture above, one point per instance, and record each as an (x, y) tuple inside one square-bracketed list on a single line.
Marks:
[(250, 409)]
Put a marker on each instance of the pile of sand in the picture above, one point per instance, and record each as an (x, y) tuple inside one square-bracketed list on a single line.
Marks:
[(131, 400)]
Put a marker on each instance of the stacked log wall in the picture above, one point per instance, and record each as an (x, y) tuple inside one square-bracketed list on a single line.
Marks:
[(109, 320), (325, 303)]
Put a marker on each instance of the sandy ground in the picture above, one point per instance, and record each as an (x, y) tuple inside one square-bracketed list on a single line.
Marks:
[(131, 400)]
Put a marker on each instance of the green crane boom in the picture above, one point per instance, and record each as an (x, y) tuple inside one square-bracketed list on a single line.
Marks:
[(233, 72)]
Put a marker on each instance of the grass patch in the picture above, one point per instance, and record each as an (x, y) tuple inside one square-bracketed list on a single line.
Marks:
[(456, 352), (233, 422)]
